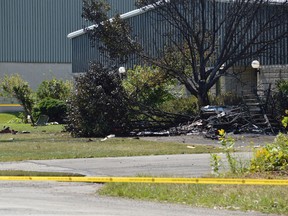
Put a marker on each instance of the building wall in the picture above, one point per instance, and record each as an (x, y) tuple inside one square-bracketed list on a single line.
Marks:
[(249, 80), (121, 6), (241, 80), (33, 36), (35, 31), (270, 75), (83, 52), (151, 35), (273, 73), (35, 73)]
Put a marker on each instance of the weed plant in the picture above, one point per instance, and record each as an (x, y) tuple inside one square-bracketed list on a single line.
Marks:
[(272, 157), (236, 165)]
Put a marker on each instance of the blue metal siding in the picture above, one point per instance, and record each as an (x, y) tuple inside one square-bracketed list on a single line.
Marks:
[(36, 30)]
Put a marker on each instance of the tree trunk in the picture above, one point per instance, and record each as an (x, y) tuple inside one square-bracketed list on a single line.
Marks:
[(32, 120), (203, 99), (30, 114)]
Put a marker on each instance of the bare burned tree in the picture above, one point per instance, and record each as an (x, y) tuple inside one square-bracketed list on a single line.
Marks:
[(202, 39), (112, 36)]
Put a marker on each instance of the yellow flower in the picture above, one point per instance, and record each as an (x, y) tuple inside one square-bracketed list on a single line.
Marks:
[(221, 132), (261, 153)]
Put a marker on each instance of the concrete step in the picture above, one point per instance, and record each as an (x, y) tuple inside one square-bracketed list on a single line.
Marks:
[(251, 96), (253, 104), (251, 100)]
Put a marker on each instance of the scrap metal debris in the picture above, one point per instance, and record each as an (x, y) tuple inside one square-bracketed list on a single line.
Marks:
[(233, 119), (8, 130), (108, 137), (213, 118)]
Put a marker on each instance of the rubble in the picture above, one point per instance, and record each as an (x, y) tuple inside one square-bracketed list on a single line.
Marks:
[(8, 130), (213, 118), (108, 137), (233, 119)]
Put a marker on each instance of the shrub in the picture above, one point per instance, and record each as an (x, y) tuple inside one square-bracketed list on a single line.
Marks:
[(285, 120), (98, 106), (148, 85), (57, 89), (16, 87), (184, 106), (54, 108), (281, 98), (236, 165), (272, 157)]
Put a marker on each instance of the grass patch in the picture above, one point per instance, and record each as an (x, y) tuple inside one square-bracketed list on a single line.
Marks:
[(49, 142), (33, 173), (10, 117), (266, 199), (45, 145)]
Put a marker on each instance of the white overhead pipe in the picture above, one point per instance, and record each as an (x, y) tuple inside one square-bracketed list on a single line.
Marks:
[(122, 16)]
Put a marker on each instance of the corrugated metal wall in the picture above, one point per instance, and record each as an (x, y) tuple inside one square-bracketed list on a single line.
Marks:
[(142, 27), (36, 30), (121, 6), (83, 52)]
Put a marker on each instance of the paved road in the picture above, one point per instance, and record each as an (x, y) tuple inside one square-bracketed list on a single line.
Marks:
[(195, 165), (79, 199), (52, 198), (242, 142)]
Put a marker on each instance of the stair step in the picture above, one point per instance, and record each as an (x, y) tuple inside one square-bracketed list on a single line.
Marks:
[(251, 101), (253, 104), (250, 95)]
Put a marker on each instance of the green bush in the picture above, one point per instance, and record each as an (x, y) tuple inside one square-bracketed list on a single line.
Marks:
[(54, 108), (281, 98), (285, 120), (99, 106), (18, 88), (148, 85), (184, 106), (272, 157), (57, 89)]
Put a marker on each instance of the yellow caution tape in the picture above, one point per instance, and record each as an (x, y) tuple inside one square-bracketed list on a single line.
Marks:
[(10, 105), (150, 180)]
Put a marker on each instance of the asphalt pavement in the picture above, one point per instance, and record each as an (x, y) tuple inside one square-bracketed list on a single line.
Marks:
[(80, 199), (185, 165), (75, 199)]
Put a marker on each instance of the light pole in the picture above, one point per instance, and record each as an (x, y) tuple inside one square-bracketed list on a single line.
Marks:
[(218, 83), (256, 65), (122, 71)]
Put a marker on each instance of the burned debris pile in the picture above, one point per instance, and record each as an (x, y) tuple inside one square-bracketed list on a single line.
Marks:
[(231, 119), (6, 130)]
